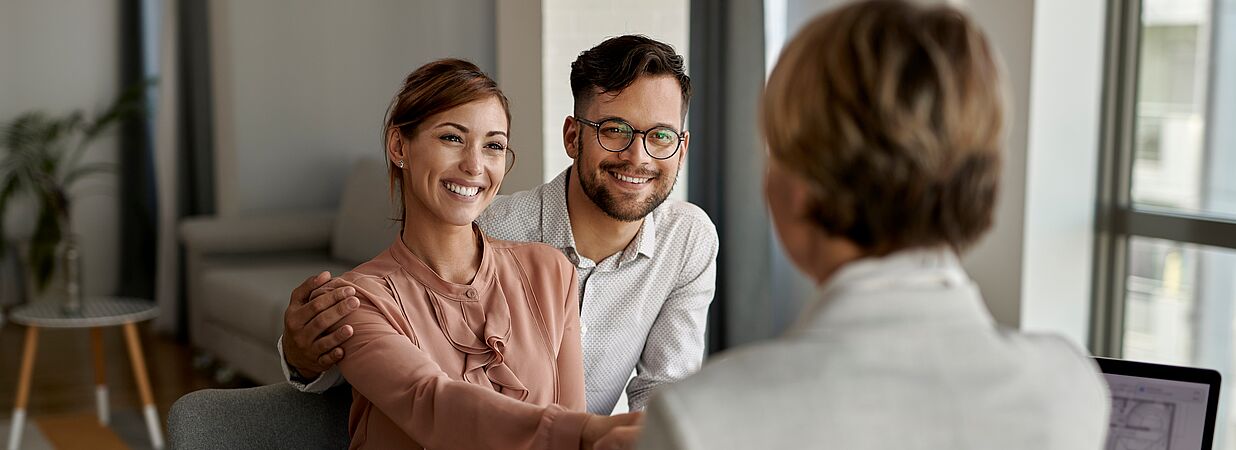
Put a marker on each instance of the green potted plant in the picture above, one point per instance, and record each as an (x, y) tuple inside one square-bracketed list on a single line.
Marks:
[(41, 160)]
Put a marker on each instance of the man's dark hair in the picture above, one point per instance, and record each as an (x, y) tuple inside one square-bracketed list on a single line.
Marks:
[(618, 61)]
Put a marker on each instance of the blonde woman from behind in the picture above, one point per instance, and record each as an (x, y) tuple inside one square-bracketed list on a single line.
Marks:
[(884, 125)]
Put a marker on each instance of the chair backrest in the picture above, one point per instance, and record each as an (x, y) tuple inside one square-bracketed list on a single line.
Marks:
[(272, 416), (363, 227)]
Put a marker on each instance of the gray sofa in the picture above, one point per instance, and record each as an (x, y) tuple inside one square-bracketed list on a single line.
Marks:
[(241, 270), (266, 417)]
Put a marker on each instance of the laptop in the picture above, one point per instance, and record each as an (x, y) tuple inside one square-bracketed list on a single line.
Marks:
[(1156, 406)]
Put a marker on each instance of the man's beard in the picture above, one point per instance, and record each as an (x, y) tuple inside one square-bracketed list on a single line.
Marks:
[(627, 208)]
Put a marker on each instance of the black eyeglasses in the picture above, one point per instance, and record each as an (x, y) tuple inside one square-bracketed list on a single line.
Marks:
[(616, 135)]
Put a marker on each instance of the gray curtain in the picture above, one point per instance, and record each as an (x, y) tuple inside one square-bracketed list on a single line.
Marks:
[(136, 162), (197, 169), (138, 195), (139, 205), (706, 184), (196, 158), (758, 292)]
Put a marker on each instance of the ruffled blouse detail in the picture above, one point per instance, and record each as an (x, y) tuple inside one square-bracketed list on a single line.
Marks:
[(474, 317)]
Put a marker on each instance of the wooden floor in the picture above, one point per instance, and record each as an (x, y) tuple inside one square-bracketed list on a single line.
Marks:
[(63, 379)]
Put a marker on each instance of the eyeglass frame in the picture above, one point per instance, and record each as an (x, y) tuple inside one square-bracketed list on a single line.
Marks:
[(597, 127)]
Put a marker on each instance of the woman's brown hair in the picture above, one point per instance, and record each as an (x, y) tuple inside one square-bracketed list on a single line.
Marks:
[(429, 90), (894, 113)]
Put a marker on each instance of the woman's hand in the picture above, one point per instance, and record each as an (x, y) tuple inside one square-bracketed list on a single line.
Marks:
[(611, 432)]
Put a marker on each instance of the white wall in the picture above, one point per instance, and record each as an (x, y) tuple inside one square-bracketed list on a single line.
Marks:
[(1062, 167), (520, 40), (301, 87), (57, 57)]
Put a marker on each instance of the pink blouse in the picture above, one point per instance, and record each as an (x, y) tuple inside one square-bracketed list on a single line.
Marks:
[(491, 364)]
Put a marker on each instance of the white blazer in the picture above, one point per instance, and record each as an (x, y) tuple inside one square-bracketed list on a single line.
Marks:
[(896, 353)]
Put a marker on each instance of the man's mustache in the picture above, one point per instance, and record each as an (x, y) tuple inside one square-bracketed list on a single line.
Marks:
[(630, 169)]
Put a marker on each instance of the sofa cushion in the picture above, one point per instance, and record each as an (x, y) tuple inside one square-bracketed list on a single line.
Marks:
[(250, 299), (364, 225)]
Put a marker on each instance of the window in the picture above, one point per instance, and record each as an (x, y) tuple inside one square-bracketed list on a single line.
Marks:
[(1166, 287)]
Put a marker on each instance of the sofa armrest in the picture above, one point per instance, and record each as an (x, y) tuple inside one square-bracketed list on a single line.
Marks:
[(298, 231), (271, 416)]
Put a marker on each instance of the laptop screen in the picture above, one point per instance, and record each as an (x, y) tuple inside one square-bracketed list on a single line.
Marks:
[(1156, 406), (1151, 413)]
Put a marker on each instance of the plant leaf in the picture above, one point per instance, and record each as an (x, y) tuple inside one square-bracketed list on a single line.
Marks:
[(41, 156), (131, 102), (19, 134), (7, 191), (86, 170), (55, 132)]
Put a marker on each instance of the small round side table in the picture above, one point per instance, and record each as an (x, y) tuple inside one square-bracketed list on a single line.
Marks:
[(96, 314)]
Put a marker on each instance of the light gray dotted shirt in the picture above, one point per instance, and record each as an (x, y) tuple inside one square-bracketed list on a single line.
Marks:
[(643, 309)]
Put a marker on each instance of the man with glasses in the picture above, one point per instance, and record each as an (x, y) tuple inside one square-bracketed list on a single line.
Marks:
[(647, 266)]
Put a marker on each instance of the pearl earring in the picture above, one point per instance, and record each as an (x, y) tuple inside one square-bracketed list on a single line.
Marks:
[(401, 164)]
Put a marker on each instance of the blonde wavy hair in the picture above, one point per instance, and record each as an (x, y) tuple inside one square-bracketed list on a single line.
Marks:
[(893, 112)]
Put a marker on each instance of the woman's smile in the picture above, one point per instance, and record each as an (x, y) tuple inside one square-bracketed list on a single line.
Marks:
[(464, 190)]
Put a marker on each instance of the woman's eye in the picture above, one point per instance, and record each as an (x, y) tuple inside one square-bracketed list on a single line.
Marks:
[(496, 147), (451, 138)]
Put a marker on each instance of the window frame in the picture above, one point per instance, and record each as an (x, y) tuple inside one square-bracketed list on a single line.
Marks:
[(1117, 221)]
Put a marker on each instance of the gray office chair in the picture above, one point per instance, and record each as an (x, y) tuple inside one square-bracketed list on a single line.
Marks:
[(265, 417)]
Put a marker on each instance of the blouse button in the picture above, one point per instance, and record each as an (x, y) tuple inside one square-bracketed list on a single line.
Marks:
[(471, 293), (583, 330)]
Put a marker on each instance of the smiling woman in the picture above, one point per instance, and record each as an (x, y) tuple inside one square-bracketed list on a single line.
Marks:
[(459, 341), (431, 113), (455, 162)]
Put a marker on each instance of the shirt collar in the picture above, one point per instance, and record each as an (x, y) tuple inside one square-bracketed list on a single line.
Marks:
[(915, 286), (423, 274), (556, 222), (646, 240)]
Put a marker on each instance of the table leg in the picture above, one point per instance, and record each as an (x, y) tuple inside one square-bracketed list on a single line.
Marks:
[(143, 385), (23, 387), (100, 375)]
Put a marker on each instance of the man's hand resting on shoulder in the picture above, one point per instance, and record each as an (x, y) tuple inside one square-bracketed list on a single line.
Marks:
[(306, 345)]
